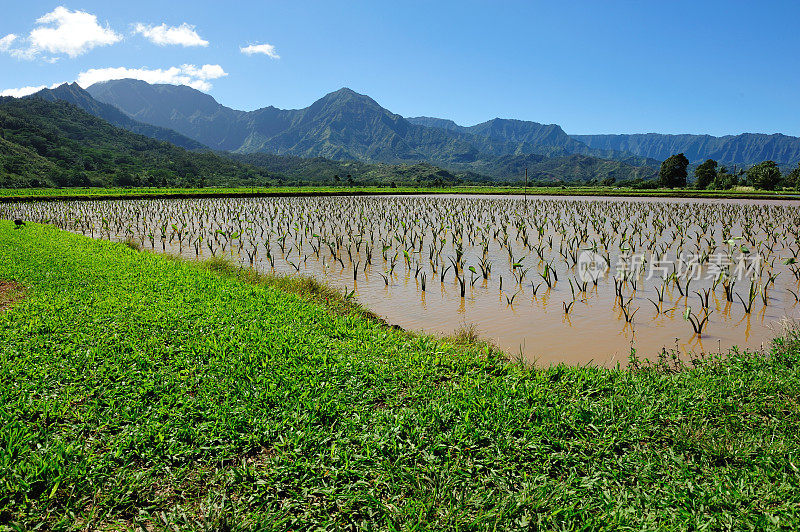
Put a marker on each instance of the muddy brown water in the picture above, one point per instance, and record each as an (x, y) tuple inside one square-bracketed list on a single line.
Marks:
[(534, 327)]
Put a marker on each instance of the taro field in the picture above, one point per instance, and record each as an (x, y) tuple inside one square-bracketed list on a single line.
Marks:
[(546, 279)]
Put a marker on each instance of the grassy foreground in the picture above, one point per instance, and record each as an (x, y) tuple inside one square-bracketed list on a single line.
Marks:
[(29, 194), (141, 391)]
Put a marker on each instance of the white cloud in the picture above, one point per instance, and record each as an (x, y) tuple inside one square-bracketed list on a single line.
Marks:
[(190, 75), (20, 92), (266, 49), (61, 32), (24, 91), (7, 41), (183, 35)]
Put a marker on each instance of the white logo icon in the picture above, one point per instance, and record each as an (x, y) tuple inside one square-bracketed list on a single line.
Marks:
[(591, 266)]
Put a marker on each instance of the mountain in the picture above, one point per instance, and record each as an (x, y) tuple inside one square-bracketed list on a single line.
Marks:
[(534, 133), (745, 150), (45, 143), (74, 94), (345, 125), (341, 125), (183, 109), (50, 142)]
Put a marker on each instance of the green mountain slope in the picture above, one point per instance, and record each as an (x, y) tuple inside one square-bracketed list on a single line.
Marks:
[(21, 168)]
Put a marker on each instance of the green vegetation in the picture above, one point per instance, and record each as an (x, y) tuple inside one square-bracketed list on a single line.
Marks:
[(139, 390), (705, 174), (765, 175), (673, 172)]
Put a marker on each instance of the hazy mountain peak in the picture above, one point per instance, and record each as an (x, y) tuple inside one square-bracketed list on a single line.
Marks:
[(74, 94)]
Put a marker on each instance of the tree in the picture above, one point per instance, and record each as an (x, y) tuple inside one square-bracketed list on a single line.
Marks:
[(705, 173), (765, 175), (724, 180), (673, 171), (792, 179)]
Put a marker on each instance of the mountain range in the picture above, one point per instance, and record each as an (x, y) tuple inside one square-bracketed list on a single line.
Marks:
[(346, 125), (349, 134)]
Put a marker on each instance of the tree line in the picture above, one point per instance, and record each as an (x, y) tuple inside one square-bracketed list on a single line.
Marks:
[(710, 175)]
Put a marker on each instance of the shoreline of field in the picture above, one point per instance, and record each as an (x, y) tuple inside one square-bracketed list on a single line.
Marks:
[(28, 195), (140, 390)]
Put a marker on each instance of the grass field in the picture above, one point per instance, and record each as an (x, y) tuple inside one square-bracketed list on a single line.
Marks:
[(28, 194), (140, 391)]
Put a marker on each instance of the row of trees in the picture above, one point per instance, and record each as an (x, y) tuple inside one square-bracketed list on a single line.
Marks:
[(765, 175)]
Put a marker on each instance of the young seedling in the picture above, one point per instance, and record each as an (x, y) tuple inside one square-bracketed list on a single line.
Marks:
[(473, 277), (626, 311), (535, 288), (796, 297), (697, 323), (704, 297), (750, 298)]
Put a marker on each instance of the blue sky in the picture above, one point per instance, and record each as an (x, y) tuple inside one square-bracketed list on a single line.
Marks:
[(592, 67)]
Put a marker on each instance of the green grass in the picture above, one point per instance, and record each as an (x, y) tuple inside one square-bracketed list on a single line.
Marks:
[(136, 390), (27, 194)]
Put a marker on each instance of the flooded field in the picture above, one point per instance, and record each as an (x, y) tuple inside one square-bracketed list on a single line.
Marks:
[(550, 279)]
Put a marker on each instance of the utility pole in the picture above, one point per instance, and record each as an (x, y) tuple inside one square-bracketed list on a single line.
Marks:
[(525, 195)]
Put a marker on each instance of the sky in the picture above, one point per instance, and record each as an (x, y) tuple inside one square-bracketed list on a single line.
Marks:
[(607, 66)]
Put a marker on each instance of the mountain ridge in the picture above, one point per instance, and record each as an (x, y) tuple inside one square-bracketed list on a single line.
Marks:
[(342, 125), (75, 95)]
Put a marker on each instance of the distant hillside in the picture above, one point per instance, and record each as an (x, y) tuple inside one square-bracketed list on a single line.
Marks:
[(345, 125), (44, 143), (527, 133), (74, 94), (744, 150)]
